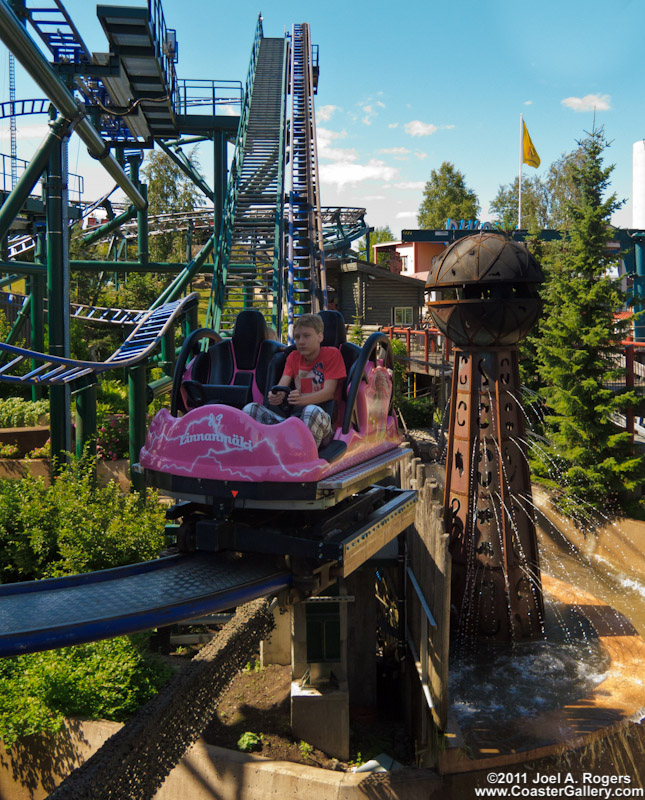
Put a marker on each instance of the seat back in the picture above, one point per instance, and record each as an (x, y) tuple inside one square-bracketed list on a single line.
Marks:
[(241, 362), (248, 334)]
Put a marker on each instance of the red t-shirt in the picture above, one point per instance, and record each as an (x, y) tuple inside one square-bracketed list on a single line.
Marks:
[(310, 376)]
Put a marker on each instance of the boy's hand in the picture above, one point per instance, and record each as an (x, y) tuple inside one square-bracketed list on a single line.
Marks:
[(275, 398), (294, 398)]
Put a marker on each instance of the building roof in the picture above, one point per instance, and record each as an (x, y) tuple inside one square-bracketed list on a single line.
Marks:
[(378, 272)]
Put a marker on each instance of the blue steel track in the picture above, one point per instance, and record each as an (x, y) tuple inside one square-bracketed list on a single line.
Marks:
[(57, 612)]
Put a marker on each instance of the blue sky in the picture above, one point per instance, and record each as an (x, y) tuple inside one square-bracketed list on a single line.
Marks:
[(404, 87)]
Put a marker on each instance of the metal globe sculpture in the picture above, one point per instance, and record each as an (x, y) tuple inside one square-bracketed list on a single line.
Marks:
[(487, 287), (487, 301)]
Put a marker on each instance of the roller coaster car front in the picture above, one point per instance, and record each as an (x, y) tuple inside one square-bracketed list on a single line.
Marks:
[(215, 454)]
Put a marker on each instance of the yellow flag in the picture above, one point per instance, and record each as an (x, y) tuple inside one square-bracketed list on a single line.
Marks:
[(529, 153)]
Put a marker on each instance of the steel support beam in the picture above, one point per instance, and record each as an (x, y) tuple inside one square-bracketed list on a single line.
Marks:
[(30, 177), (25, 50), (639, 287), (58, 297), (110, 226)]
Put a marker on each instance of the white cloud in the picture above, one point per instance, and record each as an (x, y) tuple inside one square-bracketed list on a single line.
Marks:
[(590, 102), (325, 137), (370, 109), (418, 128), (406, 215), (420, 155), (393, 125), (374, 197), (396, 151), (326, 112), (528, 102), (35, 131), (344, 173), (409, 185)]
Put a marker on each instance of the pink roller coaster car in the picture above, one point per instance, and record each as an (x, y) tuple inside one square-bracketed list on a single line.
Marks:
[(206, 449)]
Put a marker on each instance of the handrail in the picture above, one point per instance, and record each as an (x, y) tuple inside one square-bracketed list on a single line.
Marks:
[(358, 372)]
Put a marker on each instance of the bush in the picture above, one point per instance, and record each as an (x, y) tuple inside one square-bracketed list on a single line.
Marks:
[(112, 441), (74, 525), (417, 413), (102, 680), (112, 397), (249, 741), (400, 367), (16, 412)]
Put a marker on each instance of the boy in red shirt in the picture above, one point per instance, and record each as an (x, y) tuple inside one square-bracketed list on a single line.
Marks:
[(316, 373)]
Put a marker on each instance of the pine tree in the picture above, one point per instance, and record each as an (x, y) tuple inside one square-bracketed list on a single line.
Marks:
[(579, 346)]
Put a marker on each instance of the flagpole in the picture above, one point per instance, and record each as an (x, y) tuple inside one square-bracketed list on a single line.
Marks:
[(519, 193)]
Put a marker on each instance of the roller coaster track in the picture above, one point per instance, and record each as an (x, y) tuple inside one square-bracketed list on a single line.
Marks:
[(250, 267), (307, 289), (52, 370)]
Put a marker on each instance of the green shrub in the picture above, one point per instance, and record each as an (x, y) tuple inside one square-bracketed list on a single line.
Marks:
[(74, 525), (112, 397), (400, 367), (9, 450), (356, 333), (112, 441), (16, 412), (102, 680), (249, 741), (417, 413)]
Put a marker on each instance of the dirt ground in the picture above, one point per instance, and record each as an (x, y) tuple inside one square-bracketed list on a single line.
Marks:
[(258, 701)]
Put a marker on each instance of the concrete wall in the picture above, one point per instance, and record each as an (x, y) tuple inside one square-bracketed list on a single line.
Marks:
[(32, 770)]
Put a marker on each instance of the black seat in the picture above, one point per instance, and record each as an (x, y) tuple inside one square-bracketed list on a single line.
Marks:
[(335, 336), (227, 372)]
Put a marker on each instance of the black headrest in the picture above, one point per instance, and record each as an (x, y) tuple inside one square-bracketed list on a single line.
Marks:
[(334, 333), (249, 333)]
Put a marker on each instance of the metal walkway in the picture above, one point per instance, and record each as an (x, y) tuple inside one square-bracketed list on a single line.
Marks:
[(247, 270), (42, 615)]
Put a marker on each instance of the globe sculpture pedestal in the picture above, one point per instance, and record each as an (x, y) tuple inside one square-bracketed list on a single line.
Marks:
[(487, 300)]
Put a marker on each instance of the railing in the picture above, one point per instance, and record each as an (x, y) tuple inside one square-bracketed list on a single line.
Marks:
[(208, 97), (76, 183), (165, 42), (426, 348), (218, 289)]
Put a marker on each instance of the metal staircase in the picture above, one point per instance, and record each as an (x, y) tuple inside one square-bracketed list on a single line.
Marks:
[(307, 288), (247, 266)]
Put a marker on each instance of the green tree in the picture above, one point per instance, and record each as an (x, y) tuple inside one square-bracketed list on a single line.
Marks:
[(535, 204), (563, 189), (546, 202), (446, 196), (578, 348), (377, 236), (169, 191)]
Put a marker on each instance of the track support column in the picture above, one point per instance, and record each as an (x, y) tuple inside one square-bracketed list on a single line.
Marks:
[(137, 400), (58, 294)]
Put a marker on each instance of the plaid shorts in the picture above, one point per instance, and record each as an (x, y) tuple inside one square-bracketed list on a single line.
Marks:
[(317, 420)]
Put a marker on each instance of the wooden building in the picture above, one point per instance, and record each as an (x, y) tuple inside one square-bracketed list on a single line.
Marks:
[(373, 294)]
